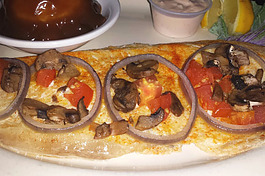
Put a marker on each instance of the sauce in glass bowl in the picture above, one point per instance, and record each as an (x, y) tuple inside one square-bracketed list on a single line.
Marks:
[(44, 20)]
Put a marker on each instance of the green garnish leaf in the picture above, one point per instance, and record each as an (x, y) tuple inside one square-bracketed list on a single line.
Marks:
[(220, 29), (259, 16)]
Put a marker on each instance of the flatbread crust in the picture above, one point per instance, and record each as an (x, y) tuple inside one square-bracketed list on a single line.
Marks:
[(17, 137)]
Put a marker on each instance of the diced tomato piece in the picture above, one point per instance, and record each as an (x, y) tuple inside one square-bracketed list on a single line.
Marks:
[(242, 118), (226, 84), (220, 109), (204, 94), (164, 101), (45, 77), (259, 113), (79, 90), (154, 104), (223, 109), (200, 76), (195, 67), (149, 89), (3, 65), (215, 71)]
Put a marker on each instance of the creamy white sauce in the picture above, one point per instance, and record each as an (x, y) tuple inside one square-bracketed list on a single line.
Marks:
[(178, 25), (185, 6)]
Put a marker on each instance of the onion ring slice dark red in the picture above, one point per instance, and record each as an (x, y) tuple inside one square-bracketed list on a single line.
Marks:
[(142, 135), (85, 120), (210, 119), (22, 91)]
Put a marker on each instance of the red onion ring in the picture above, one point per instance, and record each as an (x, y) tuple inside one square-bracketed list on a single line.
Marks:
[(210, 119), (142, 135), (85, 120), (22, 91)]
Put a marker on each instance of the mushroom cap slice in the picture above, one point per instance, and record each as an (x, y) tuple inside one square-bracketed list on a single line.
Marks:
[(142, 68), (51, 59), (237, 56), (148, 122), (67, 72), (11, 78), (126, 95)]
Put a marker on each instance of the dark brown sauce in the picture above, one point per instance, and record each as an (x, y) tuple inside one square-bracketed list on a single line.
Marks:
[(42, 20)]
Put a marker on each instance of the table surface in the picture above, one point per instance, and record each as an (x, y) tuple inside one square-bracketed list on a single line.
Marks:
[(133, 26)]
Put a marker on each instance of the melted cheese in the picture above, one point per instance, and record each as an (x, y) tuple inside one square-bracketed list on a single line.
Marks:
[(6, 99)]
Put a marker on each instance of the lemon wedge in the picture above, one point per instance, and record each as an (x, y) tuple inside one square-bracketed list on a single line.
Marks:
[(211, 16), (238, 16)]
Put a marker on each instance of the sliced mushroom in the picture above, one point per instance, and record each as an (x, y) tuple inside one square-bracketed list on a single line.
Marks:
[(216, 60), (222, 50), (67, 72), (237, 56), (12, 68), (213, 63), (254, 93), (207, 56), (218, 94), (242, 81), (31, 107), (238, 82), (118, 83), (259, 75), (115, 128), (243, 99), (225, 66), (81, 108), (119, 127), (54, 113), (148, 122), (226, 52), (11, 78), (238, 104), (126, 95), (176, 107), (72, 116), (213, 60), (102, 131), (142, 68), (51, 59), (57, 113)]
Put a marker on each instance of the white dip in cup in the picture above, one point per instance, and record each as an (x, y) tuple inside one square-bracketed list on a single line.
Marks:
[(178, 18)]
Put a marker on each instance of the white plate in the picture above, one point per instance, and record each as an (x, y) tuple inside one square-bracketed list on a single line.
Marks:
[(135, 26)]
